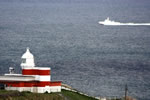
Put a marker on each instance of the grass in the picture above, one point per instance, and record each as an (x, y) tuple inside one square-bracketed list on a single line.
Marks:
[(76, 96), (15, 95), (64, 95)]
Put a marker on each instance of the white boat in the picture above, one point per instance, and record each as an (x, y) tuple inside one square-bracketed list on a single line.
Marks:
[(109, 22)]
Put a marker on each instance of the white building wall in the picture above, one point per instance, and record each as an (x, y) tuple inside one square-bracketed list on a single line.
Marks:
[(43, 89), (34, 77), (20, 89), (48, 89), (42, 78), (55, 88)]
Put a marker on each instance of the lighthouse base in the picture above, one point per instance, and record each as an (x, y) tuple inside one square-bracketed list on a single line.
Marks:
[(45, 89)]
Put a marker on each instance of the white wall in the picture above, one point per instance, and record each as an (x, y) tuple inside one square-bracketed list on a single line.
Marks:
[(49, 89)]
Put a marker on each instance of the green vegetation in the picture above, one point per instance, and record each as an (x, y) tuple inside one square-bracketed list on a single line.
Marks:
[(64, 95), (76, 96)]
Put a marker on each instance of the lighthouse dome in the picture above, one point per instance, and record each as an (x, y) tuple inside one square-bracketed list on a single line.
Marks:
[(27, 54), (27, 59)]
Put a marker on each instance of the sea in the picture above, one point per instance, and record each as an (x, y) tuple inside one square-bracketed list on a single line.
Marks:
[(65, 35)]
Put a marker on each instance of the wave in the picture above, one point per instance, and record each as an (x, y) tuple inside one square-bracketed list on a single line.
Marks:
[(132, 24)]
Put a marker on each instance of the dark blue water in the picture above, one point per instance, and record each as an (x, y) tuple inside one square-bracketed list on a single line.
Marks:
[(65, 35)]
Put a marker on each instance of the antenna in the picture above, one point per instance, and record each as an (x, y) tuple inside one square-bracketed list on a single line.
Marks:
[(126, 90)]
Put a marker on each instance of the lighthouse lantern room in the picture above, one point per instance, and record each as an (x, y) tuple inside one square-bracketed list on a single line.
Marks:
[(33, 79), (27, 59)]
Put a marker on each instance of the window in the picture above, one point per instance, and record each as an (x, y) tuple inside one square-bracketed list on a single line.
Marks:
[(23, 60)]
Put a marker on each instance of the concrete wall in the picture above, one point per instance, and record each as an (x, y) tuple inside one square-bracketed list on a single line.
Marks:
[(48, 89)]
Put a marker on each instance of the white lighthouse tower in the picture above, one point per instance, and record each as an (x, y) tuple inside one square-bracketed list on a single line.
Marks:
[(27, 60)]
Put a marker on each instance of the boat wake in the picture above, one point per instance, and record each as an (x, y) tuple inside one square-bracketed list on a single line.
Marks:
[(114, 23)]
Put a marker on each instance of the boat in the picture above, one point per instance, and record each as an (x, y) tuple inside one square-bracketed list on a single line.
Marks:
[(108, 22)]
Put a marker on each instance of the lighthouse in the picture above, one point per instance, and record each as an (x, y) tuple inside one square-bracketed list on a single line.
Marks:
[(33, 79)]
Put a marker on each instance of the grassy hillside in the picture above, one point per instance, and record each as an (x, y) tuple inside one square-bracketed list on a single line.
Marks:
[(64, 95)]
